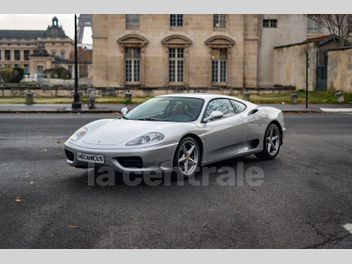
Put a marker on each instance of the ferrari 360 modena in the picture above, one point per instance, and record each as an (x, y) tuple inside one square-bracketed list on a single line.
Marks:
[(178, 132)]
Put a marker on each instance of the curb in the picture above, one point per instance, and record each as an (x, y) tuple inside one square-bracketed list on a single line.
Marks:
[(108, 111), (302, 111), (336, 110), (57, 112)]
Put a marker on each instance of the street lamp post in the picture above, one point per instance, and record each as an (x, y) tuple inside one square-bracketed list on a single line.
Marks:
[(76, 104), (307, 67)]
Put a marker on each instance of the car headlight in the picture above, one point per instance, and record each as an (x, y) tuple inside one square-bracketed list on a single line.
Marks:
[(79, 134), (151, 137)]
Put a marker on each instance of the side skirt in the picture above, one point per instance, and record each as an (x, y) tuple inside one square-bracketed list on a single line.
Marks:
[(257, 150)]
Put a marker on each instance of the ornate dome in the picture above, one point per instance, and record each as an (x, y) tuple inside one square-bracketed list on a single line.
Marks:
[(54, 31)]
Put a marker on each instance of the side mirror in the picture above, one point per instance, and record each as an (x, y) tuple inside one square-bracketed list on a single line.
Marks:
[(124, 110), (214, 115)]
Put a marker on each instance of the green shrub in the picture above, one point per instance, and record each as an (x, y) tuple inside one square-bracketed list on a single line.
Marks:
[(20, 74), (11, 74), (58, 73)]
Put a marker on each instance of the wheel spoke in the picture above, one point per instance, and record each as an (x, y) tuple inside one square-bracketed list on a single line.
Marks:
[(273, 146), (190, 151), (271, 133), (182, 158), (274, 138), (184, 149), (192, 160), (186, 166), (269, 147)]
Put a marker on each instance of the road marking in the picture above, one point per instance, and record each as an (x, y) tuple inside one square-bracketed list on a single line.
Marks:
[(337, 110), (348, 227)]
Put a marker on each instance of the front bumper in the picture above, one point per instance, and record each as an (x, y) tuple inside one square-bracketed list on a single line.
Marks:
[(155, 158)]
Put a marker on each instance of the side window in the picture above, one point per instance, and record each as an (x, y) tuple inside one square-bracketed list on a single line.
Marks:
[(222, 105), (237, 106)]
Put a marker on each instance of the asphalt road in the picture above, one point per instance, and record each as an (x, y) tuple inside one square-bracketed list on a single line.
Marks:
[(304, 201)]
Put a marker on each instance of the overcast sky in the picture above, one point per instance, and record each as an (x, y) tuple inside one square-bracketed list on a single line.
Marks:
[(41, 22)]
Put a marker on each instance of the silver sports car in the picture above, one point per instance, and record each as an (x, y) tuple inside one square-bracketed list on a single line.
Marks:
[(178, 132)]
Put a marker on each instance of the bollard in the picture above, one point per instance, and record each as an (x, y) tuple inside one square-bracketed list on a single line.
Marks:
[(91, 98), (294, 98), (128, 96), (246, 96), (29, 97), (339, 97)]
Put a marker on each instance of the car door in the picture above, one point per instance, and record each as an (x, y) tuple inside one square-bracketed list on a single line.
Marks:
[(223, 136)]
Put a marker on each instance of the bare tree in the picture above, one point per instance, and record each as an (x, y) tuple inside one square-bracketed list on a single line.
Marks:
[(339, 25)]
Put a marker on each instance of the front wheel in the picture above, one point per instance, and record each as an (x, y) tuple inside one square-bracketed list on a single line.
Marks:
[(187, 157), (271, 144)]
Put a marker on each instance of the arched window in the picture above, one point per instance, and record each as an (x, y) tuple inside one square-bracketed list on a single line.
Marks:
[(133, 46), (62, 55), (177, 46), (220, 49), (132, 65)]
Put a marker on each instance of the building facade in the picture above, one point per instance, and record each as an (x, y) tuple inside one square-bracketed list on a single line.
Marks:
[(192, 51), (277, 30), (35, 50)]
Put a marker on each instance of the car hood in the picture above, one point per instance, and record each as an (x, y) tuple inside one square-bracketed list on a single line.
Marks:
[(118, 132)]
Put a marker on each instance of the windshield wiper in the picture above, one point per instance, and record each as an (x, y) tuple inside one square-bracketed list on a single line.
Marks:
[(147, 119), (124, 117)]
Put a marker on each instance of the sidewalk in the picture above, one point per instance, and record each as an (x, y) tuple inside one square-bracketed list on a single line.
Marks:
[(313, 108), (59, 108), (110, 108)]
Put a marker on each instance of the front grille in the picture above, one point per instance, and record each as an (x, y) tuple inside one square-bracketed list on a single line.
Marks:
[(70, 156), (130, 162)]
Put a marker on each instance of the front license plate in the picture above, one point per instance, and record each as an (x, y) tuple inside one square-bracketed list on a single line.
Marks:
[(93, 158)]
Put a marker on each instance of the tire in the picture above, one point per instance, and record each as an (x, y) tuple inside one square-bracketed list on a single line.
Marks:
[(271, 143), (187, 165)]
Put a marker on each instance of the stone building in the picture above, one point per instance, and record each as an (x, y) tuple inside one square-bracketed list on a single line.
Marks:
[(176, 51), (192, 51), (277, 30), (35, 50)]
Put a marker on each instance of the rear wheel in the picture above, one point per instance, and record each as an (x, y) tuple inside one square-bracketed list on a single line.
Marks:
[(271, 144), (187, 157)]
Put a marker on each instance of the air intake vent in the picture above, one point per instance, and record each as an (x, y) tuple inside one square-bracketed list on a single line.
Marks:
[(70, 156), (130, 162), (253, 111)]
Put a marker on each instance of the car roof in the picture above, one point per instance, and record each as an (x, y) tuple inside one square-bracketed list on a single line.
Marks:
[(205, 96)]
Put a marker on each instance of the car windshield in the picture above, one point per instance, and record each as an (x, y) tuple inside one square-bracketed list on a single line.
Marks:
[(173, 109)]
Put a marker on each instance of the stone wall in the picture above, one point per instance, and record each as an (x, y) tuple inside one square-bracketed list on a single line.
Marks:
[(340, 69), (290, 66), (150, 91)]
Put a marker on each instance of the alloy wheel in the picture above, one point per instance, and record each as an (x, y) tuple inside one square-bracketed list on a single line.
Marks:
[(188, 157), (273, 140)]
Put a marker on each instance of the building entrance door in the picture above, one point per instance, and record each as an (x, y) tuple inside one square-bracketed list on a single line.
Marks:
[(322, 70)]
